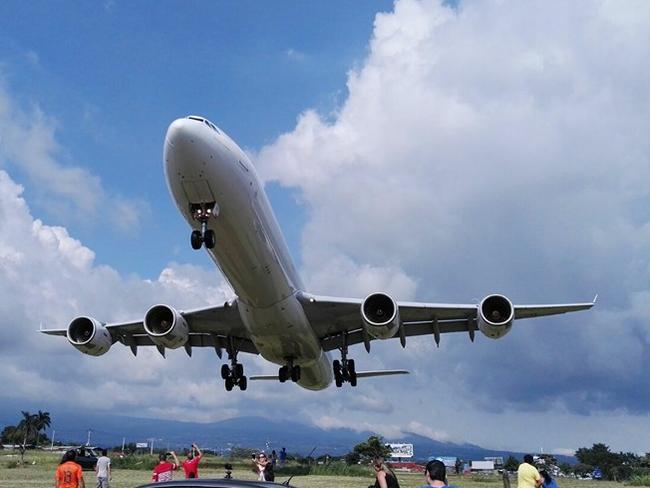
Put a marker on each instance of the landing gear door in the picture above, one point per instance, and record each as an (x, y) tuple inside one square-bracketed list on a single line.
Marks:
[(198, 191)]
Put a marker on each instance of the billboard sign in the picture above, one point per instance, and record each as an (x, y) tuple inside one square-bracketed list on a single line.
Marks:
[(141, 445), (401, 450)]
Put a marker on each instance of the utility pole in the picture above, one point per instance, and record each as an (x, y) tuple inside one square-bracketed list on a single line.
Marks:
[(123, 442), (52, 446), (152, 439), (88, 441)]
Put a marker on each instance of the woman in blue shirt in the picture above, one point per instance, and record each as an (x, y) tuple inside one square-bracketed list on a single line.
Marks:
[(548, 481)]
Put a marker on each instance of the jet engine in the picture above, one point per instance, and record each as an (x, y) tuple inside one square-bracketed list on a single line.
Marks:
[(495, 316), (89, 336), (380, 315), (166, 326)]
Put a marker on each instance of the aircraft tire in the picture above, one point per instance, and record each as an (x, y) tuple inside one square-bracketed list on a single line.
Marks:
[(196, 240), (229, 383), (295, 374), (238, 371), (243, 383), (283, 374), (351, 369), (352, 373), (225, 371), (209, 239)]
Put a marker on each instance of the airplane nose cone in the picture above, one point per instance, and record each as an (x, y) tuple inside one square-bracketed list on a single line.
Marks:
[(179, 132), (183, 145)]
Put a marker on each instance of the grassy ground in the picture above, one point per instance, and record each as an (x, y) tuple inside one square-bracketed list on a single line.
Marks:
[(39, 473)]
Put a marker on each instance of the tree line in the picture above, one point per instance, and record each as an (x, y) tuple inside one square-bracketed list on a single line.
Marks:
[(28, 432)]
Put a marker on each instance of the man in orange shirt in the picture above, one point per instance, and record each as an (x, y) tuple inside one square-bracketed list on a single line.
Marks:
[(69, 473)]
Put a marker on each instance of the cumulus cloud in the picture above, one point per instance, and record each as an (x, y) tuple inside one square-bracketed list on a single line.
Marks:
[(28, 143), (493, 147)]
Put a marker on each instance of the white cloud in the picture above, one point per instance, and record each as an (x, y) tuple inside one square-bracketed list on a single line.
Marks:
[(28, 142), (496, 147)]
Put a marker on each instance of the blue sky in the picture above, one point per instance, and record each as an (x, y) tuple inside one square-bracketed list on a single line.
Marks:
[(112, 76), (437, 153)]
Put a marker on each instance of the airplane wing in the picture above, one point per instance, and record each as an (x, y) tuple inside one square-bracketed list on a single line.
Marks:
[(216, 326), (336, 320)]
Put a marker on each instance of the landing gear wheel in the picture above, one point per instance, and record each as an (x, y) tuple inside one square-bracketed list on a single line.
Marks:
[(283, 374), (243, 383), (196, 239), (238, 370), (352, 373), (229, 383), (295, 374), (209, 239), (338, 377), (225, 371)]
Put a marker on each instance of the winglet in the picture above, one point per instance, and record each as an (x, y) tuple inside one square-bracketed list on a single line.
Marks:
[(595, 299)]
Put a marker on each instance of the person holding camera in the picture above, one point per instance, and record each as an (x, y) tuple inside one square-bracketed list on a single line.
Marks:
[(263, 467), (191, 464), (164, 470)]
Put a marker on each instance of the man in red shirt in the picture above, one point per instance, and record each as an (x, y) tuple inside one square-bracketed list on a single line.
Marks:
[(164, 470), (191, 464)]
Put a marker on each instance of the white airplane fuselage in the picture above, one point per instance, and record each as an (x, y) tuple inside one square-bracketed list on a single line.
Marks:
[(202, 164)]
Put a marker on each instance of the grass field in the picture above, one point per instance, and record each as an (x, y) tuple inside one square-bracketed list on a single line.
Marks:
[(40, 474)]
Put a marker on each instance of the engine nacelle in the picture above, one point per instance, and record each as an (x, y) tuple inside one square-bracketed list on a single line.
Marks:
[(495, 316), (166, 326), (89, 336), (380, 315)]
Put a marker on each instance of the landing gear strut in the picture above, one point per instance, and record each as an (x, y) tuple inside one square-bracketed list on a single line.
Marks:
[(201, 212), (290, 371), (234, 374), (344, 370)]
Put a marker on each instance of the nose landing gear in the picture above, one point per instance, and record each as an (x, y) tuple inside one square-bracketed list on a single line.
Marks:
[(201, 212)]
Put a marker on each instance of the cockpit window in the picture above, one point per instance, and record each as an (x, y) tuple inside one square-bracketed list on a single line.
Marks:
[(206, 122)]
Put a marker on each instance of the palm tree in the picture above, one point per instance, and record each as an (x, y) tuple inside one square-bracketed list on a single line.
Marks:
[(42, 422), (26, 426)]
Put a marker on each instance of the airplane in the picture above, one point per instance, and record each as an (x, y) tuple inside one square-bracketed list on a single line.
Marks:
[(217, 190)]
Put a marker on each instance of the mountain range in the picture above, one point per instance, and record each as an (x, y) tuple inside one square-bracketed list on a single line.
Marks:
[(246, 432)]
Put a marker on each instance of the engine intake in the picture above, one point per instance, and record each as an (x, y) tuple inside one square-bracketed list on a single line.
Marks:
[(166, 327), (495, 316), (89, 336), (380, 315)]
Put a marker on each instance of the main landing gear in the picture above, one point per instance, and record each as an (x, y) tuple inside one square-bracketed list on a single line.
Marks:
[(234, 374), (290, 371), (202, 212), (344, 370)]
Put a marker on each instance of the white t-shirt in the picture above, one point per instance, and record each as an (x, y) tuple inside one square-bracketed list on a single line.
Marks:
[(102, 467)]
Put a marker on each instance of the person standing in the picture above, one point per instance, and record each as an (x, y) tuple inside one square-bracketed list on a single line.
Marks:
[(547, 480), (274, 458), (263, 467), (68, 473), (164, 470), (384, 476), (527, 474), (103, 470), (283, 456), (435, 474), (191, 464)]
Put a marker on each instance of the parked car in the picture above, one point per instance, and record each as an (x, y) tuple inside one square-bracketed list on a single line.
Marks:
[(86, 457), (215, 483)]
